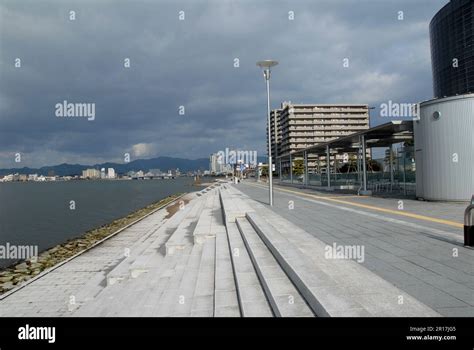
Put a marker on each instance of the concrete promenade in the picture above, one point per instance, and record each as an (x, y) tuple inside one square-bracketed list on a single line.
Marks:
[(225, 253), (417, 248)]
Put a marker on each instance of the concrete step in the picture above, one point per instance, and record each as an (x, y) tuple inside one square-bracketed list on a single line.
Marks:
[(252, 299), (228, 207), (203, 227), (232, 204), (87, 292), (132, 297), (163, 273), (331, 287), (282, 295), (159, 281), (158, 293), (147, 255), (170, 296), (122, 270), (226, 303), (190, 291), (211, 220), (210, 199), (184, 295), (203, 300), (318, 289), (182, 237), (241, 200), (144, 293), (140, 296), (209, 227), (154, 252)]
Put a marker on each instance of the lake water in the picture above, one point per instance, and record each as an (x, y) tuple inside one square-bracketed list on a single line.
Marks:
[(33, 213)]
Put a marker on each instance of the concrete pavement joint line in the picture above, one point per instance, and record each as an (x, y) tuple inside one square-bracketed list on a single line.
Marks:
[(252, 299), (385, 210), (47, 271), (241, 311), (245, 272), (444, 234), (270, 297), (276, 284)]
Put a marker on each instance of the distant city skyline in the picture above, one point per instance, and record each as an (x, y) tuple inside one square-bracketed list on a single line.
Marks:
[(66, 169), (159, 85)]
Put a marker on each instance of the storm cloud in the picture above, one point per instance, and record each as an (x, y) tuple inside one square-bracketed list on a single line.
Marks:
[(190, 63)]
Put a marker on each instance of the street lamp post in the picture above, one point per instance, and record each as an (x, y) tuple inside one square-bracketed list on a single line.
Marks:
[(266, 65)]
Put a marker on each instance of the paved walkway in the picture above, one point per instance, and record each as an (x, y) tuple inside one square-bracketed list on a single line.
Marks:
[(418, 248), (451, 211)]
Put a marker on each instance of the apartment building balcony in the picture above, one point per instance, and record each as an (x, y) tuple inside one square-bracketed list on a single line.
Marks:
[(340, 109), (301, 122), (340, 115), (300, 110), (301, 117), (299, 132), (339, 128), (333, 133), (300, 127), (361, 120), (301, 139)]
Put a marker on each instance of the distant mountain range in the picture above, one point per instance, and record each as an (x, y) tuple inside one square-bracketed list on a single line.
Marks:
[(162, 163)]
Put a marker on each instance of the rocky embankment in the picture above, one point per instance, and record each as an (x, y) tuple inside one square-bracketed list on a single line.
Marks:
[(14, 275)]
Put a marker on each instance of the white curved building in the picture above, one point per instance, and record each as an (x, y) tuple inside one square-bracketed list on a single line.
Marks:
[(444, 145)]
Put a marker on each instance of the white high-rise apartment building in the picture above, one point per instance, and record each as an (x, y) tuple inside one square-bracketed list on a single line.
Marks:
[(299, 126), (111, 173)]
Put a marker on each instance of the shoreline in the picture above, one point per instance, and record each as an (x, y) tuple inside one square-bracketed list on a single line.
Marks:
[(14, 275)]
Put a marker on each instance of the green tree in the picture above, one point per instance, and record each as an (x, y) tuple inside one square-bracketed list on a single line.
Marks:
[(298, 167), (373, 165), (350, 166)]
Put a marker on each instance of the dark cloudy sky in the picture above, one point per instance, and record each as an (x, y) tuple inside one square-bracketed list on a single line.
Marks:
[(190, 63)]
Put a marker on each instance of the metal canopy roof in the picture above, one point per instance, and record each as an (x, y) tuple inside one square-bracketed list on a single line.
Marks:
[(379, 136)]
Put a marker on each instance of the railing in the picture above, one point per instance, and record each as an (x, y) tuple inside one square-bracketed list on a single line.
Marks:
[(397, 178), (376, 182), (468, 225)]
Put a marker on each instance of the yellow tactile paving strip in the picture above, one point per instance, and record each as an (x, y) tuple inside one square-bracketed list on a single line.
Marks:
[(371, 207)]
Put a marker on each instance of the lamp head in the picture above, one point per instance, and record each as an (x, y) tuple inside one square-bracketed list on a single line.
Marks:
[(266, 64)]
